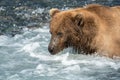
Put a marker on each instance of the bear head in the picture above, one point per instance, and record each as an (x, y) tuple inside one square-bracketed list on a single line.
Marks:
[(72, 28)]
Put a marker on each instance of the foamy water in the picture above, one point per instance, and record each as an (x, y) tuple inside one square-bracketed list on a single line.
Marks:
[(25, 57)]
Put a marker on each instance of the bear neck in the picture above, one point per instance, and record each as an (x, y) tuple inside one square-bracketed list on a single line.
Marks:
[(83, 46), (83, 39)]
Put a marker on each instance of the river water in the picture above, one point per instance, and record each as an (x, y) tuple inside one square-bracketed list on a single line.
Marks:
[(23, 48)]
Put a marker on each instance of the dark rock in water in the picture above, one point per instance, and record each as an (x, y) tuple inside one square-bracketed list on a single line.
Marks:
[(17, 14)]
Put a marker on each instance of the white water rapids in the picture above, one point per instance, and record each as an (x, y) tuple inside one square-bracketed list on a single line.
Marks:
[(25, 57)]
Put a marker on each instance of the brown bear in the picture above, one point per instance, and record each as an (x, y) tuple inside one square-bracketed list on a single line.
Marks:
[(93, 28)]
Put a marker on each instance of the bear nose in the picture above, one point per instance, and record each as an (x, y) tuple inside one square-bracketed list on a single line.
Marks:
[(50, 49)]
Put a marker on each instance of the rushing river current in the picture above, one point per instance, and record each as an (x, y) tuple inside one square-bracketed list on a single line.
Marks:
[(24, 38)]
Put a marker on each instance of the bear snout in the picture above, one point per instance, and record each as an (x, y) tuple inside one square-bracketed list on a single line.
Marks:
[(50, 49)]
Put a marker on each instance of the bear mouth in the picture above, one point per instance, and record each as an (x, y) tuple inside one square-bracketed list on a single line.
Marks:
[(53, 53), (56, 51)]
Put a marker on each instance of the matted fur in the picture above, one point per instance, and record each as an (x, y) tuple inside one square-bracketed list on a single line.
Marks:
[(94, 28)]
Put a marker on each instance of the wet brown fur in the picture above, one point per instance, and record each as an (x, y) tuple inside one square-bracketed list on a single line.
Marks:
[(94, 28)]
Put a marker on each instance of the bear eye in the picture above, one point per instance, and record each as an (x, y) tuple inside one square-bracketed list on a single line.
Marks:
[(60, 34), (50, 32)]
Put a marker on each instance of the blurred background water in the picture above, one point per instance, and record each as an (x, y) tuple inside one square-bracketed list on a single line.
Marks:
[(24, 37)]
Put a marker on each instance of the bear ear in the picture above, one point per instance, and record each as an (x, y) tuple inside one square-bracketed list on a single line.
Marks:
[(53, 11), (79, 20)]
